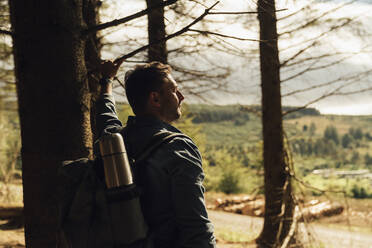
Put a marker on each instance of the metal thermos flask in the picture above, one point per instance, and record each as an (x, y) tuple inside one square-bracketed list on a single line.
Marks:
[(115, 160), (127, 221)]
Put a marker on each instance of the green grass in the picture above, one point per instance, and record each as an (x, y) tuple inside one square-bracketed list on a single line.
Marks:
[(235, 236), (226, 132)]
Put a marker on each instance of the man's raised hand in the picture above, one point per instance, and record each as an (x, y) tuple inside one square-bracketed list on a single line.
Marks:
[(109, 69)]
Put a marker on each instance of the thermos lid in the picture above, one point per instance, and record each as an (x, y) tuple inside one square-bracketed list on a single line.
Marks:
[(111, 144)]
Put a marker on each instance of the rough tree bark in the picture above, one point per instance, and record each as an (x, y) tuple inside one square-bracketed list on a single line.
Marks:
[(54, 103), (92, 56), (156, 32), (277, 186)]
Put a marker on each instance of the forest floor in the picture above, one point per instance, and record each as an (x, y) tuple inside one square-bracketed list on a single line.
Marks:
[(232, 227), (237, 231), (352, 229)]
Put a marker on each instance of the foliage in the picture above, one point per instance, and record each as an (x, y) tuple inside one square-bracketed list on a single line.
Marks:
[(6, 69), (368, 159), (356, 133), (346, 140), (228, 235), (205, 113), (359, 192), (230, 182), (186, 125), (312, 128), (9, 145), (123, 111), (301, 112), (331, 133), (9, 127)]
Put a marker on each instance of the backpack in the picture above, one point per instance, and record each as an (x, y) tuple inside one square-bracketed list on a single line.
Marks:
[(86, 215)]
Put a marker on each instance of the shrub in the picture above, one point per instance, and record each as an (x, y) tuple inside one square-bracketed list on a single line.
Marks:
[(346, 140), (331, 133), (230, 182), (359, 192)]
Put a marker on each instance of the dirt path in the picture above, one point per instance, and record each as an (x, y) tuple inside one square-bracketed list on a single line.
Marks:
[(249, 227), (320, 236), (11, 238)]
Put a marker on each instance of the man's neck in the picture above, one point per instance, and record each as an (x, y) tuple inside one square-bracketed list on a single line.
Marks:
[(152, 116)]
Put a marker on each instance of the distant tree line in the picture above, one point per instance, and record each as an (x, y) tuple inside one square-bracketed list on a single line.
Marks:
[(332, 144), (216, 113), (212, 113)]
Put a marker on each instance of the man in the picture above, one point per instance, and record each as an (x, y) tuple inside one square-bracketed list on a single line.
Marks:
[(173, 198)]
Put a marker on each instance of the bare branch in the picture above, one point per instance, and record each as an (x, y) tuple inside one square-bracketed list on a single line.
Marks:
[(353, 92), (307, 185), (223, 35), (325, 95), (183, 30), (298, 53), (126, 19), (311, 68), (296, 217), (121, 84), (201, 73), (295, 12), (316, 38), (337, 80), (242, 13), (2, 31), (312, 21), (299, 73), (319, 57)]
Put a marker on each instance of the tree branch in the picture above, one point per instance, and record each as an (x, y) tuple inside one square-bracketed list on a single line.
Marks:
[(337, 80), (295, 13), (126, 19), (319, 57), (314, 68), (331, 93), (316, 38), (183, 30), (353, 92), (298, 53), (5, 32), (312, 21), (241, 13), (299, 73), (223, 35)]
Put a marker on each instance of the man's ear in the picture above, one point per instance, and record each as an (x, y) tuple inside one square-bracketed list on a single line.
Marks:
[(154, 99)]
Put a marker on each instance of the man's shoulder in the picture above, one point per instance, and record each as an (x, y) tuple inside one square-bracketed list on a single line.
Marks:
[(174, 141), (181, 147)]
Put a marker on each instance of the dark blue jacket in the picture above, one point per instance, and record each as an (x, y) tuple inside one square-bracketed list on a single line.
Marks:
[(173, 198)]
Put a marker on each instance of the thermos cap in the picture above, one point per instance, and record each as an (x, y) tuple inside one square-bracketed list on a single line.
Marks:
[(111, 144)]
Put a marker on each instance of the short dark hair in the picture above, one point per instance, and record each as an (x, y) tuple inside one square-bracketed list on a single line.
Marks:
[(143, 80)]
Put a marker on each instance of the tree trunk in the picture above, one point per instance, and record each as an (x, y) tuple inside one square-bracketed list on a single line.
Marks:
[(276, 179), (156, 32), (54, 103), (92, 57)]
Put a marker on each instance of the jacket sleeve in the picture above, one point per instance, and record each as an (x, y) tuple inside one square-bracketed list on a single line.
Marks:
[(194, 228), (106, 117)]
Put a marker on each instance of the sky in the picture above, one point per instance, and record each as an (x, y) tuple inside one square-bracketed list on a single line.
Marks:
[(353, 50)]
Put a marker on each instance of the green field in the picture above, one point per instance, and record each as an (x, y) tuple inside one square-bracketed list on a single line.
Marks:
[(230, 139), (340, 144)]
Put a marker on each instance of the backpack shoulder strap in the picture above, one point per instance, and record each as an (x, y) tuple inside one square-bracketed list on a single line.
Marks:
[(157, 140)]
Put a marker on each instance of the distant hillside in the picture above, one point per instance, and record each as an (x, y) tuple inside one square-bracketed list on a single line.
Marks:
[(239, 114)]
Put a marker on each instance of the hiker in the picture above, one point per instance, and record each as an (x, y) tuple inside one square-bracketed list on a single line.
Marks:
[(173, 195)]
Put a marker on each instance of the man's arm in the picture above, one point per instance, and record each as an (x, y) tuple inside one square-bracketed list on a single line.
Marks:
[(195, 229), (106, 116)]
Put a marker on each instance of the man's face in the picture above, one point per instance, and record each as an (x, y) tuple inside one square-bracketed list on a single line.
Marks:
[(170, 100)]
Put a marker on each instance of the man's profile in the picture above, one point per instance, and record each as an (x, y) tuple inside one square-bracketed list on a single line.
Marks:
[(173, 197)]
